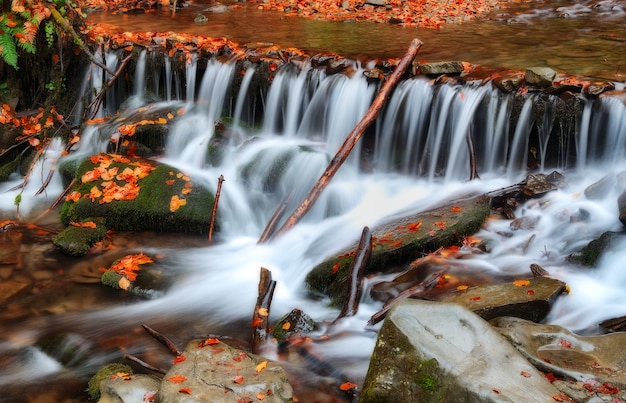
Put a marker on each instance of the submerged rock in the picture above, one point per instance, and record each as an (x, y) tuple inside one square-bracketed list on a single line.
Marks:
[(128, 388), (589, 255), (441, 352)]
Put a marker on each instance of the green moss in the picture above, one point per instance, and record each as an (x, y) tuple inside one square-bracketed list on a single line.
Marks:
[(105, 373), (589, 255), (7, 169), (111, 279), (76, 240)]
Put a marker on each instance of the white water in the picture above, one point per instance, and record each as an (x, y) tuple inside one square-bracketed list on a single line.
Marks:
[(424, 166)]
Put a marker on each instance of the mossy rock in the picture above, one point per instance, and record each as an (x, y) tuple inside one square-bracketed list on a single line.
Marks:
[(589, 255), (106, 372), (295, 322), (150, 209), (399, 242), (7, 169), (77, 239)]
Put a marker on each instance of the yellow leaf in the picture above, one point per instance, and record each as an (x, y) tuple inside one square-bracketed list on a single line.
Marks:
[(263, 312), (124, 283), (462, 287), (521, 283), (261, 366), (286, 326)]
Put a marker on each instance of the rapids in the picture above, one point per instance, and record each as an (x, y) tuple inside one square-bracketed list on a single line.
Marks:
[(414, 157)]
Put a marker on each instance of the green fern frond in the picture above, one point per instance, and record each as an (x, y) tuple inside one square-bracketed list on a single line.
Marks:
[(8, 52), (27, 46)]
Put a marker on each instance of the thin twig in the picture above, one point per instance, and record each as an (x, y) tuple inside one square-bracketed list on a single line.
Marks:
[(220, 180), (162, 339), (144, 364)]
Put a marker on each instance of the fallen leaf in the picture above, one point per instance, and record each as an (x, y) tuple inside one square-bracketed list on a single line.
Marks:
[(238, 379), (261, 366), (177, 378), (286, 326), (525, 374), (124, 283), (347, 386), (263, 312), (179, 359), (521, 283), (186, 391), (462, 287)]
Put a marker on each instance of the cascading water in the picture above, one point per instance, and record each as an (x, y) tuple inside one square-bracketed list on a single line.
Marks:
[(414, 157)]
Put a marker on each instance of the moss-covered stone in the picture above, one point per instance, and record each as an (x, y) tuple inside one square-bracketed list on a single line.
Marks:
[(7, 169), (151, 208), (76, 240), (393, 371), (589, 255), (295, 322), (113, 369), (397, 243)]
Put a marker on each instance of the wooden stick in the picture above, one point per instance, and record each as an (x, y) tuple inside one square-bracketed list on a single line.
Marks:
[(94, 105), (472, 156), (352, 138), (220, 180), (355, 275), (427, 284), (262, 310), (162, 339), (144, 364), (278, 214)]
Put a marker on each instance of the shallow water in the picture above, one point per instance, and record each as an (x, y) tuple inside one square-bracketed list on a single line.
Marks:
[(580, 38)]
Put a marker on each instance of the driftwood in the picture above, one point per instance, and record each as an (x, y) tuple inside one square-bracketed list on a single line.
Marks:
[(260, 322), (355, 275), (162, 339), (427, 284), (352, 138), (144, 364), (472, 156), (220, 180)]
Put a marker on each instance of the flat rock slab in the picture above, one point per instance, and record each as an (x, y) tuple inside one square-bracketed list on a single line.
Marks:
[(555, 349), (442, 352), (528, 299), (211, 371)]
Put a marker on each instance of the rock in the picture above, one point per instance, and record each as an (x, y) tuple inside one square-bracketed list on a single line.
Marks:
[(295, 322), (402, 240), (438, 68), (104, 373), (434, 352), (540, 76), (134, 194), (214, 372), (128, 388), (538, 185), (559, 351), (375, 2), (528, 299), (595, 89), (508, 83), (78, 237), (621, 206), (599, 189), (589, 255)]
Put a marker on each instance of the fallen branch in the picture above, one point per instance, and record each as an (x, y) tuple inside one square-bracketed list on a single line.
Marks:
[(352, 138), (355, 275), (144, 364), (261, 314), (427, 284), (220, 180), (162, 339), (77, 39), (95, 103), (278, 214), (472, 156)]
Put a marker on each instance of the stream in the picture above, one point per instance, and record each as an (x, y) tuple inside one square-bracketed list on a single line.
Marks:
[(419, 161)]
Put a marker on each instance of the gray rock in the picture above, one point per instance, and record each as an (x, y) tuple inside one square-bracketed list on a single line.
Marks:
[(434, 352), (621, 206), (129, 389), (375, 2), (557, 350), (599, 189), (540, 76), (437, 68), (217, 373)]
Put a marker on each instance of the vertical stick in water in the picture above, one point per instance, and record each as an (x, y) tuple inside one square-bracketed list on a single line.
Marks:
[(214, 211)]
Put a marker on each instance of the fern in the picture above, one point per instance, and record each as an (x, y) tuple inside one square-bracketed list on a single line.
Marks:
[(8, 50)]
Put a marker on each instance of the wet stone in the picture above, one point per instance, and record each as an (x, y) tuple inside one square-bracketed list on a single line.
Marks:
[(540, 76), (438, 68)]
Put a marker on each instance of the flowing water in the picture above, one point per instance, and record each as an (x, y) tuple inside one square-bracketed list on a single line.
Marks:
[(414, 157)]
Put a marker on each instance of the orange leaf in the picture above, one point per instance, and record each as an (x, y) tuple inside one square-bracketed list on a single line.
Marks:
[(177, 378), (179, 359), (256, 322), (336, 267), (208, 342), (286, 326), (462, 287), (347, 386), (260, 395), (521, 283), (455, 209), (440, 224), (186, 391), (238, 379), (263, 312), (176, 202), (73, 196)]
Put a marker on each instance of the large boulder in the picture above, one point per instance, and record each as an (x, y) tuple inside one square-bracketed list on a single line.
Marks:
[(402, 240), (134, 194), (442, 352)]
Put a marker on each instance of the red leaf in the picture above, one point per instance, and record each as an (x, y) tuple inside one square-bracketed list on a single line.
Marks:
[(186, 391), (177, 378), (347, 386), (238, 379), (179, 359)]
